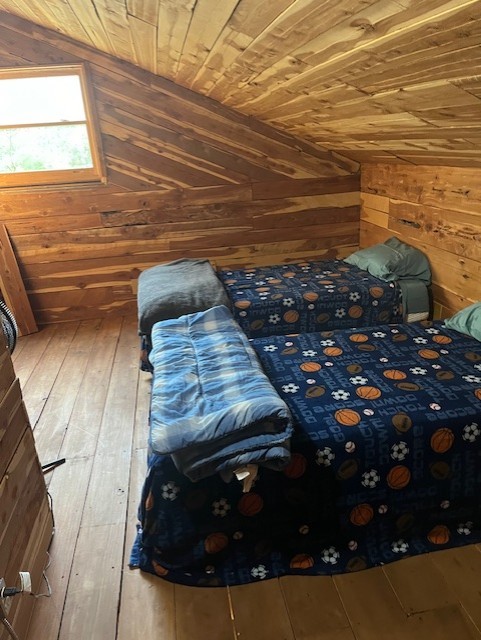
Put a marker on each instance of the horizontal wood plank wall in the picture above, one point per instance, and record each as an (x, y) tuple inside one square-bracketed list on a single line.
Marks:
[(438, 210), (186, 177)]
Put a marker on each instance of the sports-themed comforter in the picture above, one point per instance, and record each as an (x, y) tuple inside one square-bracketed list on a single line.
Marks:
[(309, 296), (386, 463)]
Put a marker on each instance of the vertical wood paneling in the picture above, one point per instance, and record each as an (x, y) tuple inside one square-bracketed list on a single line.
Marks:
[(438, 210)]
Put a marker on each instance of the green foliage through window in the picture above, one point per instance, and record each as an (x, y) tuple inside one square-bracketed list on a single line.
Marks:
[(45, 127), (44, 149)]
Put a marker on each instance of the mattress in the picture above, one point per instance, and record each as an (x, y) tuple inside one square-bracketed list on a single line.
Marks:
[(385, 464), (309, 296)]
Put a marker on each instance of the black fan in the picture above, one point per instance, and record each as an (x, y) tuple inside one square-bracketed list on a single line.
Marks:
[(8, 325)]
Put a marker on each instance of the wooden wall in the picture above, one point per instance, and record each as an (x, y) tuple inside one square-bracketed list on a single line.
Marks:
[(438, 210), (186, 177)]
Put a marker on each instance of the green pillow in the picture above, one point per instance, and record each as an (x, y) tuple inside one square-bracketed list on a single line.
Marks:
[(392, 260), (376, 259), (412, 263), (467, 321)]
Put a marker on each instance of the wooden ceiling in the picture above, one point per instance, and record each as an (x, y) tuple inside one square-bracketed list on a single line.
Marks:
[(375, 80)]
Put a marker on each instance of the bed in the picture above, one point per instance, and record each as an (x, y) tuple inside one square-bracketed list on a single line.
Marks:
[(387, 282), (310, 296), (385, 463)]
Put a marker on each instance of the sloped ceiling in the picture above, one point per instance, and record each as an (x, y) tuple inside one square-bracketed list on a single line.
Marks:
[(375, 80)]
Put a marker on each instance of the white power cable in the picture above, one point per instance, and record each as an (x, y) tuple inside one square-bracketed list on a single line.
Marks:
[(25, 587)]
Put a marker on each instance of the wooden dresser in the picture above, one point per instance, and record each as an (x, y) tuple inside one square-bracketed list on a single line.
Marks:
[(26, 522)]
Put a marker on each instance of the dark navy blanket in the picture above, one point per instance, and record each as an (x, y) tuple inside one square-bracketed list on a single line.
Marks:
[(309, 296), (386, 464)]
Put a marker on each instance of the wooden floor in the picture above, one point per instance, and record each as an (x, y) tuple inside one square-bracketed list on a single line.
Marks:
[(88, 402)]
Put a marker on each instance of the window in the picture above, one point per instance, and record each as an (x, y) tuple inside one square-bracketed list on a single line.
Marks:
[(47, 129)]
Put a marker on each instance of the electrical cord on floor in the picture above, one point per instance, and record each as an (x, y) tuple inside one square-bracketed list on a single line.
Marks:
[(8, 592), (44, 576), (8, 626)]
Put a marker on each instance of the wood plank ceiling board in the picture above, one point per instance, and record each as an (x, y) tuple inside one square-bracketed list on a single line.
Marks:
[(353, 51), (114, 18), (339, 56), (143, 42), (302, 21), (88, 17), (145, 11), (470, 85), (311, 68), (334, 36), (173, 25), (208, 20), (62, 13), (22, 9), (247, 22)]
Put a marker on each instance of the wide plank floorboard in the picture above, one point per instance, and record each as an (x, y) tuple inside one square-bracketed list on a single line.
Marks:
[(89, 403)]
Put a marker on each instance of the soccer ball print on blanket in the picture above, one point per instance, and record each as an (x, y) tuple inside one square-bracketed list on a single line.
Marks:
[(385, 464)]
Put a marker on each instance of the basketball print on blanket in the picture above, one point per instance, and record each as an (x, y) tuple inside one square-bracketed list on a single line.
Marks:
[(401, 421), (384, 464), (309, 296)]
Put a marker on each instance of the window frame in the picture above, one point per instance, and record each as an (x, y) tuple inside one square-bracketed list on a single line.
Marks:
[(52, 177)]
